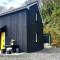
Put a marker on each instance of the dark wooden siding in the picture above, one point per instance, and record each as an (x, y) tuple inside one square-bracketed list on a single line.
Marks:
[(22, 27), (34, 27), (16, 28)]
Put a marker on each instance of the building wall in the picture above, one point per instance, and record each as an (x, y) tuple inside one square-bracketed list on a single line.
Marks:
[(16, 28), (34, 27)]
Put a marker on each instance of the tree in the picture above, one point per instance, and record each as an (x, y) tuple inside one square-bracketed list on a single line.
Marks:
[(50, 13)]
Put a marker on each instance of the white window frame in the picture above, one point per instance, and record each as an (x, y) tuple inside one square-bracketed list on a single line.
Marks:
[(36, 37), (36, 16)]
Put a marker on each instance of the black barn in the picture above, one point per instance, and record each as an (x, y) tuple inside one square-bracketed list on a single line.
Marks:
[(24, 25)]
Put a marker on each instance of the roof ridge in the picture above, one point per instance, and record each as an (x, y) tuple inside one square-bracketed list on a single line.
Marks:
[(20, 8)]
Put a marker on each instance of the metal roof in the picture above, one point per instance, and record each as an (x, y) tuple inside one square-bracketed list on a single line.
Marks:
[(20, 8)]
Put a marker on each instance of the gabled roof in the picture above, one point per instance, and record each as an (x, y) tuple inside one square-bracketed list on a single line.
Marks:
[(20, 8)]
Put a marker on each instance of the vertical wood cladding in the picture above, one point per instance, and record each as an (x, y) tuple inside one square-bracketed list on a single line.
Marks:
[(22, 27), (34, 26)]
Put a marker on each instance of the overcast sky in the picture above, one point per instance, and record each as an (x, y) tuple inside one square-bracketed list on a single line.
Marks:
[(11, 3)]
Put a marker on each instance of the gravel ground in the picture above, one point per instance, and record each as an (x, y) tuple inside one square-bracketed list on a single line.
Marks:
[(45, 54)]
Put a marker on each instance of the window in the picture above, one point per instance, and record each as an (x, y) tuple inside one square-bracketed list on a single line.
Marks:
[(36, 16), (36, 37)]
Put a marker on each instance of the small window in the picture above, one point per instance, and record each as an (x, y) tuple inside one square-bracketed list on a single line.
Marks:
[(36, 37), (36, 16)]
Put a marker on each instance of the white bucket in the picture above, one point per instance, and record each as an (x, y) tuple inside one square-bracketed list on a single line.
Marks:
[(47, 45)]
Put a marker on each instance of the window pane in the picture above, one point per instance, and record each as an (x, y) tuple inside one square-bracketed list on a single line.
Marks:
[(36, 16), (36, 37)]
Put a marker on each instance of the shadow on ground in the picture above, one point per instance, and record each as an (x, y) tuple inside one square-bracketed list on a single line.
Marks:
[(45, 54)]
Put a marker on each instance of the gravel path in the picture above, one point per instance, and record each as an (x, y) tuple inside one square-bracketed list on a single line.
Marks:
[(45, 54)]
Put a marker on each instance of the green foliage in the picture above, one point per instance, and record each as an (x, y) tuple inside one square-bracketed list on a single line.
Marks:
[(51, 16)]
